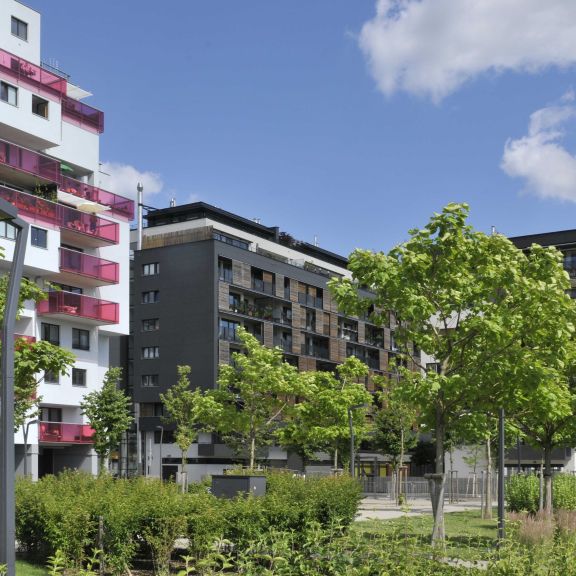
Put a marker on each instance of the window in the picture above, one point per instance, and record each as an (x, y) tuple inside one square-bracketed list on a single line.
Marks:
[(51, 377), (19, 28), (68, 288), (149, 380), (78, 377), (151, 269), (150, 409), (9, 93), (225, 270), (39, 106), (231, 240), (80, 339), (7, 230), (50, 414), (228, 330), (39, 237), (234, 302), (149, 352), (150, 324), (51, 333), (151, 297)]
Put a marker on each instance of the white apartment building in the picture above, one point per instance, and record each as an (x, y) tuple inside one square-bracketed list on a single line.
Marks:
[(79, 236)]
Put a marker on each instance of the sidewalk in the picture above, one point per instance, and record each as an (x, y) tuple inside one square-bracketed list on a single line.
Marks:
[(382, 508)]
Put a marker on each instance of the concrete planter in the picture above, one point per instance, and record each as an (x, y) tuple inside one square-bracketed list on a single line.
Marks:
[(224, 486)]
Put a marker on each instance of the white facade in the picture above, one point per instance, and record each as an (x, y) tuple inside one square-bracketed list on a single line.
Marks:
[(79, 236)]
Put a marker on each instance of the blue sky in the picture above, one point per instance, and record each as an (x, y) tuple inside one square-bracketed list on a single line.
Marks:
[(349, 120)]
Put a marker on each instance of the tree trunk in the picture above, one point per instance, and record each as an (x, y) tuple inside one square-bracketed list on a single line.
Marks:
[(436, 481), (548, 480), (399, 495), (252, 452), (335, 460), (487, 512)]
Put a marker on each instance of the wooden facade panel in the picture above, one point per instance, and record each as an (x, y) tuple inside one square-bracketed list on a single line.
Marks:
[(306, 364), (223, 294), (223, 352), (334, 349), (319, 322), (383, 361), (361, 332), (294, 290), (387, 338), (297, 316), (268, 334), (341, 350), (241, 273), (279, 291), (333, 326), (297, 342)]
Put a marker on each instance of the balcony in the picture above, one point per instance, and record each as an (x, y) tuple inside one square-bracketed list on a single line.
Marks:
[(92, 310), (309, 300), (77, 227), (63, 432), (118, 205), (27, 73), (315, 351), (94, 271), (28, 161), (263, 286), (83, 115), (283, 343)]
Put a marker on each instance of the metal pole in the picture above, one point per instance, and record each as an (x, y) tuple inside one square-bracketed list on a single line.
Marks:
[(161, 428), (7, 507), (26, 431), (518, 454), (351, 424), (501, 448), (140, 190)]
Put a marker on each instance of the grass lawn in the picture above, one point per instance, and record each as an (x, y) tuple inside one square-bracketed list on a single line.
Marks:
[(467, 536), (27, 569)]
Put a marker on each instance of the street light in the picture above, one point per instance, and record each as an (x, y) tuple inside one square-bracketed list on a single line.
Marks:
[(352, 438), (161, 428), (35, 421), (9, 213)]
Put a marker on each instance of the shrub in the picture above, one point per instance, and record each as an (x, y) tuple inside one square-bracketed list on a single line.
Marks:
[(523, 493), (564, 492)]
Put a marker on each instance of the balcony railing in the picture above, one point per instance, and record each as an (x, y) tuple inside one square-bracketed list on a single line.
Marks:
[(26, 72), (118, 205), (29, 161), (65, 432), (79, 305), (91, 266), (311, 350), (48, 168), (262, 286), (286, 345), (59, 215), (86, 116), (309, 300)]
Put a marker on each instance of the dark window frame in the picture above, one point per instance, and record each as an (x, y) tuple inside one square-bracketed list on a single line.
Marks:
[(51, 328), (19, 28), (38, 237), (5, 91), (40, 106), (76, 373), (80, 339)]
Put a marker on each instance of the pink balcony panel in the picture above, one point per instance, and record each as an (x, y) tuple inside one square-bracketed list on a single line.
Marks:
[(29, 161), (83, 115), (100, 230), (85, 265), (65, 432), (81, 306), (118, 205), (25, 72)]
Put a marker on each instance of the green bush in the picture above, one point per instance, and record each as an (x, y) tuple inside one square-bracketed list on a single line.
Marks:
[(564, 492), (523, 493)]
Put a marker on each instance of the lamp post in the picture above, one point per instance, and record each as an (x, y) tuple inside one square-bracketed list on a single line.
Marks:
[(7, 507), (352, 438), (501, 449), (26, 429), (161, 428)]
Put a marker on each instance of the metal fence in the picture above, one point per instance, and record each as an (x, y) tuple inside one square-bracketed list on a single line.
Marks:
[(455, 488)]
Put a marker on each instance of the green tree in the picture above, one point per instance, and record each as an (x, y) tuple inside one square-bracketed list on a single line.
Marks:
[(253, 396), (187, 409), (394, 430), (321, 418), (108, 412), (474, 303)]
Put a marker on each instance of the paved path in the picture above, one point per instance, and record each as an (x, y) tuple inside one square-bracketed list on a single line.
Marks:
[(382, 508)]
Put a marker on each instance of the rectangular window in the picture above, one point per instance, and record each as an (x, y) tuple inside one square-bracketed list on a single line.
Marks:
[(78, 377), (151, 297), (68, 288), (151, 324), (19, 28), (7, 230), (38, 237), (51, 333), (149, 352), (149, 380), (50, 414), (228, 330), (151, 269), (80, 339), (39, 106), (151, 409), (51, 377), (225, 270), (9, 93)]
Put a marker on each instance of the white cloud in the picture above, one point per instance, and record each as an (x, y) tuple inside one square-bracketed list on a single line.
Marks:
[(124, 179), (432, 47), (540, 159)]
